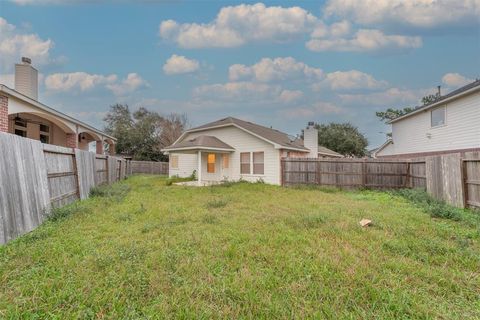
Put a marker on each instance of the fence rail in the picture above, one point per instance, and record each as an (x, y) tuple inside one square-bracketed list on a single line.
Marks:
[(36, 177), (149, 167), (353, 173), (452, 178)]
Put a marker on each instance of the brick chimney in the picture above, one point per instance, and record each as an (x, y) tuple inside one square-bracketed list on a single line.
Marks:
[(310, 139), (26, 78)]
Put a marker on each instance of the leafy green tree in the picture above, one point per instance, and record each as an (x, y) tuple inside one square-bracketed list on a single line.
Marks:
[(430, 98), (343, 138), (392, 113)]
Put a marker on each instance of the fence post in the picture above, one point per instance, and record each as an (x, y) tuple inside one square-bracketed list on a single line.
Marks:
[(407, 177), (107, 168), (463, 171), (75, 172), (364, 173)]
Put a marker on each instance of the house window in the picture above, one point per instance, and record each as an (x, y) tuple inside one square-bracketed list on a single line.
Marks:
[(211, 163), (44, 133), (438, 116), (174, 162), (258, 162), (226, 161), (21, 128), (245, 163)]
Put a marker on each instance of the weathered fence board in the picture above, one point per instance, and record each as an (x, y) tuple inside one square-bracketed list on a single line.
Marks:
[(35, 177), (346, 173), (24, 187), (471, 169), (444, 181), (149, 167), (85, 166)]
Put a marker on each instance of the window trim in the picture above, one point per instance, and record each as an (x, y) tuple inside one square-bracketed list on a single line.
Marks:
[(211, 170), (444, 107), (174, 163), (244, 163), (262, 163)]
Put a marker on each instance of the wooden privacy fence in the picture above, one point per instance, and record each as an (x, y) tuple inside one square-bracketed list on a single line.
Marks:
[(36, 177), (453, 178), (353, 173), (149, 167)]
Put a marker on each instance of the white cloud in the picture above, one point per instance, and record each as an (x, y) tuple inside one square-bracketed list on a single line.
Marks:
[(15, 44), (288, 96), (387, 98), (455, 80), (179, 64), (237, 25), (83, 81), (127, 85), (349, 80), (318, 108), (237, 91), (415, 13), (278, 69), (76, 81), (362, 41)]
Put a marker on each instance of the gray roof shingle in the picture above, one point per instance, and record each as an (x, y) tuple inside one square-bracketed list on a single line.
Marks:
[(201, 142), (269, 134)]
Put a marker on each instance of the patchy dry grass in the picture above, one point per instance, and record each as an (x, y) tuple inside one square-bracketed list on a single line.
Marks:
[(242, 251)]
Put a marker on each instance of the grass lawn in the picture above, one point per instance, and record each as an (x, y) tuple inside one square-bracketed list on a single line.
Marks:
[(242, 251)]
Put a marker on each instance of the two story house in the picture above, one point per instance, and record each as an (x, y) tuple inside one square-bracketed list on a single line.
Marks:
[(450, 124)]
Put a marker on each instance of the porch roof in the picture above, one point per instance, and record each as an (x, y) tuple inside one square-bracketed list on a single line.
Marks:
[(202, 142)]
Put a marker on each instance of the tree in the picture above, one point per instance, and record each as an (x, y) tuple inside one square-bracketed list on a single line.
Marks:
[(392, 113), (430, 98), (172, 127), (144, 133), (343, 138)]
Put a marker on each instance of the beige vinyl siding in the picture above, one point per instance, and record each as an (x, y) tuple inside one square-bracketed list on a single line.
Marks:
[(187, 162), (242, 141), (462, 129)]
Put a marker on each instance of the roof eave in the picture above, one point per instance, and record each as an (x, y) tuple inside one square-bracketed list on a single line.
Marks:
[(18, 95), (435, 104)]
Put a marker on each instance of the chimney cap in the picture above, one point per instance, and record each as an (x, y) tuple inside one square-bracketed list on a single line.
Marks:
[(26, 60)]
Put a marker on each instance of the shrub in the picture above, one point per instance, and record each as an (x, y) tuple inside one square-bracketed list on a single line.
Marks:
[(116, 191), (436, 208), (176, 178)]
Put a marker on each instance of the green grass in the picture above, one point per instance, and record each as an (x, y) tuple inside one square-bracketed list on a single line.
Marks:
[(144, 250)]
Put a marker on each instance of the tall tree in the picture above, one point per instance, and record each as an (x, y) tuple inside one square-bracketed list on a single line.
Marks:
[(144, 133), (343, 138), (171, 128), (392, 113)]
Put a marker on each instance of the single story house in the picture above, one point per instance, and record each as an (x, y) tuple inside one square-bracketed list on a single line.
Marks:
[(233, 149), (451, 124), (22, 114)]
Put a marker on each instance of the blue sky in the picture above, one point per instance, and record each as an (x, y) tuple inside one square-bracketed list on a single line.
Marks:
[(280, 64)]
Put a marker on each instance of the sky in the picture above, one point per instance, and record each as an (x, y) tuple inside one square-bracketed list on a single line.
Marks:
[(279, 64)]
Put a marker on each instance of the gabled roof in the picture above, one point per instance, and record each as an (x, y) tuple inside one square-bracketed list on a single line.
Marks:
[(469, 88), (325, 151), (271, 135), (383, 146), (201, 142), (49, 110)]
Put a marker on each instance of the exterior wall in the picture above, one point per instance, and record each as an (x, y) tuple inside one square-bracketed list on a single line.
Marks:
[(57, 135), (462, 129), (242, 141), (71, 140), (462, 152), (3, 114), (187, 163), (388, 150)]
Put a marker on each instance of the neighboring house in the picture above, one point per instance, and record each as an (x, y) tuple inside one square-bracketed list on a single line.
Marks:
[(233, 149), (22, 114), (449, 125)]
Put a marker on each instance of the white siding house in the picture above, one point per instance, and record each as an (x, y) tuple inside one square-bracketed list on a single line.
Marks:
[(451, 124), (232, 149)]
